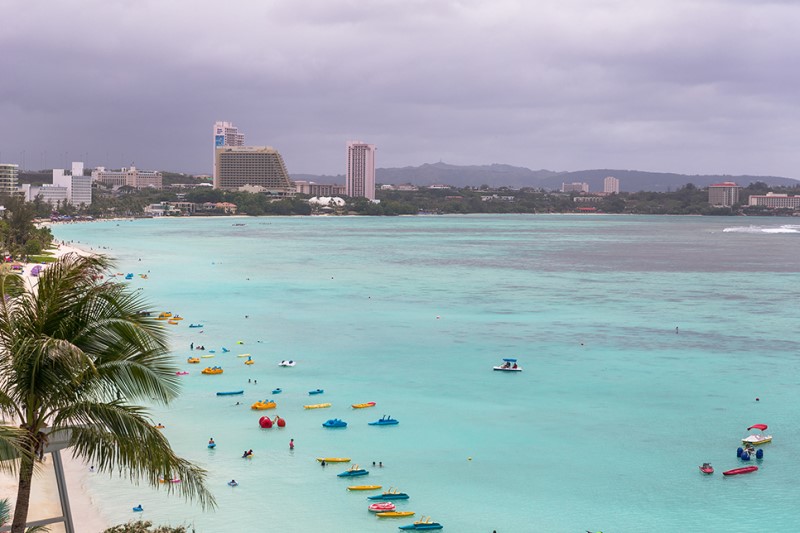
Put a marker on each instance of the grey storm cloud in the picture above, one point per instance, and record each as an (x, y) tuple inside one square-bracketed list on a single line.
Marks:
[(700, 86)]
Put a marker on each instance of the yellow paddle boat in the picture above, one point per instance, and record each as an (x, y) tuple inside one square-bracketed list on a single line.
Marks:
[(364, 487), (363, 405), (159, 426), (164, 316), (212, 370), (260, 406), (193, 360), (177, 317), (172, 321), (249, 362), (334, 459), (317, 406), (395, 514)]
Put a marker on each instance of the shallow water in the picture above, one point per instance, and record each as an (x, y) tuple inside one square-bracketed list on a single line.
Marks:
[(603, 430)]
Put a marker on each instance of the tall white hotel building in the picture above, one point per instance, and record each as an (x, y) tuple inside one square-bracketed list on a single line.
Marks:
[(611, 185), (360, 179)]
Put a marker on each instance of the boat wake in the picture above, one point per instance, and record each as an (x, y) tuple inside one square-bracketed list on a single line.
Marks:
[(786, 228)]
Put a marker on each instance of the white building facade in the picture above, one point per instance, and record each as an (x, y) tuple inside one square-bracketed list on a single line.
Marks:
[(360, 177), (576, 186), (132, 177), (78, 187), (611, 185)]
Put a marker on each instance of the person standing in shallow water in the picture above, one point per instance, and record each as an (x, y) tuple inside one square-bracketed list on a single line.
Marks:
[(291, 444)]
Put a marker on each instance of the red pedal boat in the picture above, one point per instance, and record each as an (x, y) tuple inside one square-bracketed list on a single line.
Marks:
[(743, 470), (706, 468)]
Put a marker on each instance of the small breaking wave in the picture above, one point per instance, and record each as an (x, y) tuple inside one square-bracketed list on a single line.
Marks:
[(786, 228)]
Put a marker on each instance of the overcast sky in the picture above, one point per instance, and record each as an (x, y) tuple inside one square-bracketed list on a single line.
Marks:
[(690, 86)]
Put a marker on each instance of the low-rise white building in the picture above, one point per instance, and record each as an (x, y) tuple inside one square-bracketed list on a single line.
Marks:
[(775, 201), (132, 177)]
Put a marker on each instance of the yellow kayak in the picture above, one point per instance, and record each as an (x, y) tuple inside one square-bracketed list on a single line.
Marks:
[(243, 355), (364, 487), (334, 459), (317, 406), (207, 356), (363, 405), (394, 514)]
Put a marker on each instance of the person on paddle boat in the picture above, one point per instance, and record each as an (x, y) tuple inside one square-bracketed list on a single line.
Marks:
[(515, 365)]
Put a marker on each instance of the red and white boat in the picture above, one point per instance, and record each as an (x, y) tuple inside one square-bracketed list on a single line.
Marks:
[(742, 470), (382, 507)]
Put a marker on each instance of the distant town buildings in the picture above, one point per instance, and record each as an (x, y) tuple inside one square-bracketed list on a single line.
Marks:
[(775, 201), (576, 186), (8, 178), (723, 194), (360, 177), (611, 185), (260, 168), (67, 187), (318, 189), (131, 177)]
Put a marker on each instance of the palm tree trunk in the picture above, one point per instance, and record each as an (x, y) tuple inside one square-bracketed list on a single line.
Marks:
[(23, 495)]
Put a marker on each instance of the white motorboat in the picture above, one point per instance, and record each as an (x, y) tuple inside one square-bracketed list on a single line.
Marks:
[(509, 365), (287, 363)]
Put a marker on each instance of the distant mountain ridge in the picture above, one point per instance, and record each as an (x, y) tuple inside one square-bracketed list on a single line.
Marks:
[(498, 175)]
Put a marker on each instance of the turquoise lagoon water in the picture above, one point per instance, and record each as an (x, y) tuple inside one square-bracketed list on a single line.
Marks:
[(602, 431)]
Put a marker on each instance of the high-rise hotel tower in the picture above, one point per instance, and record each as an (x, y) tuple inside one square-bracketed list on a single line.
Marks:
[(225, 134), (360, 180)]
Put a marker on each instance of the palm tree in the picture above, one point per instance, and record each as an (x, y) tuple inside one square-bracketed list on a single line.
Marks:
[(77, 354)]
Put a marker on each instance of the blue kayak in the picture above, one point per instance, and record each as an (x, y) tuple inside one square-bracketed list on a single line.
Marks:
[(318, 391), (276, 391), (230, 393)]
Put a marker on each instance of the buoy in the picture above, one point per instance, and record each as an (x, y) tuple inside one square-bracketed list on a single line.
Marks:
[(265, 422), (739, 451), (759, 454), (745, 456), (280, 422)]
